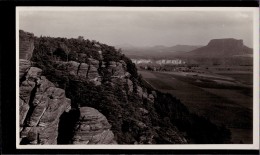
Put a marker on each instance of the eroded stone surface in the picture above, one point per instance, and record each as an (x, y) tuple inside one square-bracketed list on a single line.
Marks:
[(92, 128), (82, 70), (41, 105)]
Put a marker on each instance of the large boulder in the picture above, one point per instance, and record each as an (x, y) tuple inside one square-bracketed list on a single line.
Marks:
[(92, 128)]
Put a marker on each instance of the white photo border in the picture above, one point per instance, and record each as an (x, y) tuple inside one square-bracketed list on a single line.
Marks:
[(254, 146)]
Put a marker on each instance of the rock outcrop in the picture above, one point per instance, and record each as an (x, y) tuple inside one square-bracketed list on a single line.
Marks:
[(90, 71), (41, 105), (26, 45), (81, 70), (92, 128), (117, 69)]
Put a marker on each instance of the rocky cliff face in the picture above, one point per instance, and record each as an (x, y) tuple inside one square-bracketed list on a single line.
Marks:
[(41, 105), (81, 70), (26, 45)]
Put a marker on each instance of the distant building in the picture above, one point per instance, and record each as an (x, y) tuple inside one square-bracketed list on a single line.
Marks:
[(160, 62), (174, 62), (141, 61)]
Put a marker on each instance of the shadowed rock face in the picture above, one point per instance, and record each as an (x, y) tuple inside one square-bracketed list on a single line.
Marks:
[(92, 128), (26, 45), (41, 105)]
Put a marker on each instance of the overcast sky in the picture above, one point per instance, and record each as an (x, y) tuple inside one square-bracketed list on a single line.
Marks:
[(141, 28)]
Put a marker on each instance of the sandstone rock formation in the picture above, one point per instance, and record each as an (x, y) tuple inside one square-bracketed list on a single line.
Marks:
[(117, 69), (23, 67), (41, 105), (26, 45), (90, 71), (92, 128), (81, 70)]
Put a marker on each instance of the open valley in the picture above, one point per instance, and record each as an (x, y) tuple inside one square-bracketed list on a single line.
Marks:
[(223, 103)]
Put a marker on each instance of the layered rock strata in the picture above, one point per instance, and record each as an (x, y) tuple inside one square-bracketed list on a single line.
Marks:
[(41, 105), (92, 128)]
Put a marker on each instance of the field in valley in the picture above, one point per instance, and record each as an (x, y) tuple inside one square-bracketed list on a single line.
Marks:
[(224, 98)]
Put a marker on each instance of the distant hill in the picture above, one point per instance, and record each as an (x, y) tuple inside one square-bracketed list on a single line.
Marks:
[(158, 51), (227, 47), (182, 48)]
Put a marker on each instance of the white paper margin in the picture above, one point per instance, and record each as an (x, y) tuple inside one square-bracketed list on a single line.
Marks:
[(254, 146)]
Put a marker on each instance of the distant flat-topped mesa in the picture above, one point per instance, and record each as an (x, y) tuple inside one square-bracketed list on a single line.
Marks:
[(222, 48), (226, 42), (26, 45)]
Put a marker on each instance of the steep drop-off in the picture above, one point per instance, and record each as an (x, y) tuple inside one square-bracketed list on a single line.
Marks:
[(99, 76)]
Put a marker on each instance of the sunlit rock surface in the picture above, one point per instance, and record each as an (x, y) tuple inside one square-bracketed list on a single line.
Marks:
[(41, 105), (92, 128)]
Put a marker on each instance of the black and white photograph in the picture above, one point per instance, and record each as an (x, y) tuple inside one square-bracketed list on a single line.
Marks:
[(137, 77)]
